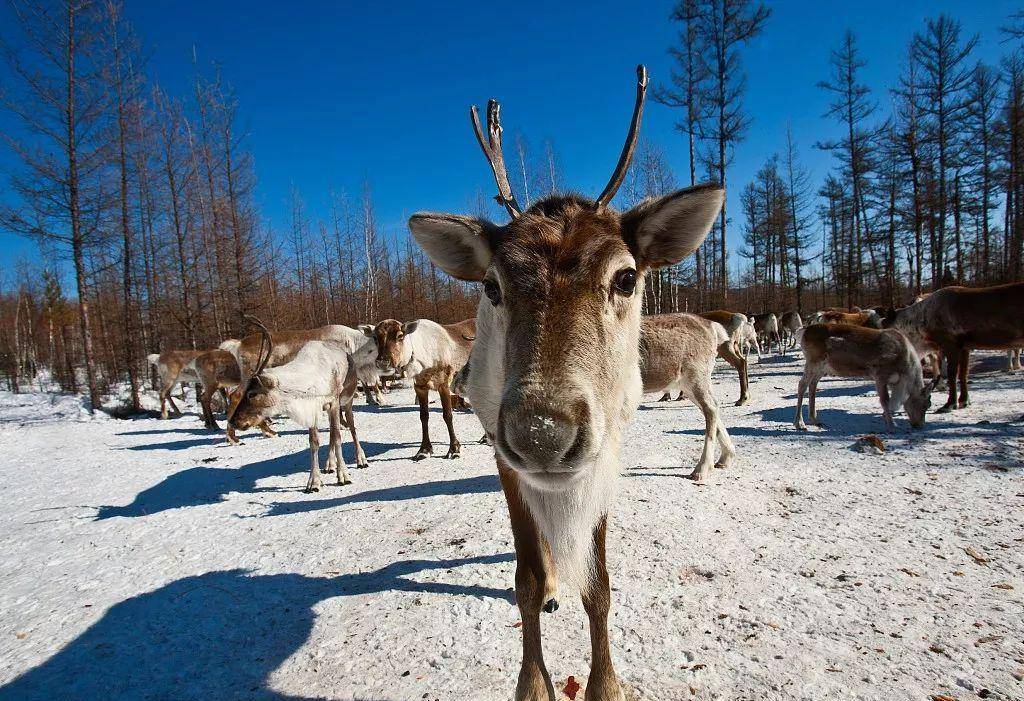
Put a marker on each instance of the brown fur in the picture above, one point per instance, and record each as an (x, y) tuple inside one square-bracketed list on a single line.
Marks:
[(886, 356), (678, 351), (732, 323), (865, 319), (957, 320), (435, 363), (218, 370), (169, 367)]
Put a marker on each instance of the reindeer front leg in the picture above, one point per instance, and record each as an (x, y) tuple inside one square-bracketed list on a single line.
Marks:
[(534, 586), (334, 447), (351, 419), (446, 409), (965, 369), (952, 368), (423, 399), (602, 685), (883, 397), (314, 483)]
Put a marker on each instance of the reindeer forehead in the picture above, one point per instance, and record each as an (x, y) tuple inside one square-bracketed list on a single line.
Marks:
[(572, 243), (388, 329)]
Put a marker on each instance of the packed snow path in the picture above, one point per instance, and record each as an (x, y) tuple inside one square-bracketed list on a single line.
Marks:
[(149, 560)]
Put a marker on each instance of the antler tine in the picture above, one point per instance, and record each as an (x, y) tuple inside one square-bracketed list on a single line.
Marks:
[(630, 146), (491, 146)]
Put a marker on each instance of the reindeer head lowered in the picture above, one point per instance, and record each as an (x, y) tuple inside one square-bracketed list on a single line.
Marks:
[(252, 402), (554, 374)]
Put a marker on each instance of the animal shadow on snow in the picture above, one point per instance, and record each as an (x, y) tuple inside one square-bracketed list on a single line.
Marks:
[(219, 635), (481, 484), (204, 484)]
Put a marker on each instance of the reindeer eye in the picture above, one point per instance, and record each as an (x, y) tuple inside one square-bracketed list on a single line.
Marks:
[(625, 281), (492, 291)]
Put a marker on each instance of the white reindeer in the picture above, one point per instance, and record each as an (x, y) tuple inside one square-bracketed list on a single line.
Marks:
[(321, 376)]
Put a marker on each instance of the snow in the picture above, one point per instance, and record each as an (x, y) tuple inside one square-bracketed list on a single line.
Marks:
[(144, 559)]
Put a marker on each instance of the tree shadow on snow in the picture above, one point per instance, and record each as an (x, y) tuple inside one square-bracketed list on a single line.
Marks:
[(480, 484), (197, 486), (219, 635)]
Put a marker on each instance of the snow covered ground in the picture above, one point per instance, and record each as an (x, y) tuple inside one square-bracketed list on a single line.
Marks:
[(149, 560)]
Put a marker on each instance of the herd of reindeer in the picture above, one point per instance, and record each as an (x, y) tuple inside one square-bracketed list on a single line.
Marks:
[(558, 357)]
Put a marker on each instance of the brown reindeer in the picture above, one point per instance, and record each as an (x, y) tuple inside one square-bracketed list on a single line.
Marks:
[(172, 367), (677, 353), (957, 320), (886, 356), (555, 373), (869, 319), (734, 325), (789, 323), (217, 370), (431, 354)]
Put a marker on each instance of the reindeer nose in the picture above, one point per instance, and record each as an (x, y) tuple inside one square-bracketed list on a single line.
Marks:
[(538, 436)]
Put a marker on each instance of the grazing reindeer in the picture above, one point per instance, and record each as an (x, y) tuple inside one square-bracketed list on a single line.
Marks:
[(734, 325), (320, 376), (789, 323), (218, 370), (172, 367), (956, 320), (767, 328), (432, 354), (287, 343), (886, 356), (677, 353), (555, 373)]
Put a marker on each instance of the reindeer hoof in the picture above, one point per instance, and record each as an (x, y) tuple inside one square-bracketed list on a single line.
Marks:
[(362, 465), (452, 455), (742, 401), (944, 409), (550, 606), (312, 488), (963, 404), (421, 456), (346, 482)]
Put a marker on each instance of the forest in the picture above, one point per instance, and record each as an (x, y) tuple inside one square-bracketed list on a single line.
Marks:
[(144, 203)]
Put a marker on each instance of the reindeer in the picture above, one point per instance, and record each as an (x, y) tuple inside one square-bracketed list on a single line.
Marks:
[(868, 319), (677, 353), (748, 339), (321, 375), (555, 374), (886, 356), (956, 320), (767, 327), (431, 354), (218, 370), (734, 325), (789, 323), (1013, 360), (172, 367)]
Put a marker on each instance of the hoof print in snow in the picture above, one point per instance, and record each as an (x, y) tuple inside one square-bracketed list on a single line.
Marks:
[(869, 445)]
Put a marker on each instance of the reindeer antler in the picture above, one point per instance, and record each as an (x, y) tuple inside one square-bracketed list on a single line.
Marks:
[(266, 344), (492, 150), (630, 146)]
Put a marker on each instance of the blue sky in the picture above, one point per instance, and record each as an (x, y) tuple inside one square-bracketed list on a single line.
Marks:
[(335, 93)]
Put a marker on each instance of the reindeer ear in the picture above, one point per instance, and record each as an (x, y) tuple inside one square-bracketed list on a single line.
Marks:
[(366, 329), (461, 246), (663, 231), (410, 326)]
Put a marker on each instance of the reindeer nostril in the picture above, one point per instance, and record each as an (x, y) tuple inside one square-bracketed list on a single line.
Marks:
[(538, 436)]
